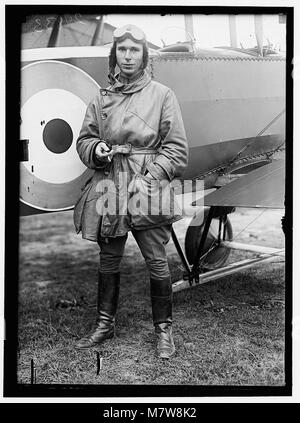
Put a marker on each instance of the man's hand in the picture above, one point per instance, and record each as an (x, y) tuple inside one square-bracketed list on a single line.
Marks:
[(102, 151)]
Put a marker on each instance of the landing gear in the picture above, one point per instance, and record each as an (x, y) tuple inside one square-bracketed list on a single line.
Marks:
[(203, 249), (207, 246), (206, 237)]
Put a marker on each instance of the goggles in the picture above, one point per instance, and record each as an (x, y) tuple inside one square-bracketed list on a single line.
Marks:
[(130, 30)]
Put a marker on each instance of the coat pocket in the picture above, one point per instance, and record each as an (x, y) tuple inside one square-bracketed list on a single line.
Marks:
[(153, 203)]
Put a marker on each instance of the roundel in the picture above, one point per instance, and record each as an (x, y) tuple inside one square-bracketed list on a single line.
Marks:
[(54, 98)]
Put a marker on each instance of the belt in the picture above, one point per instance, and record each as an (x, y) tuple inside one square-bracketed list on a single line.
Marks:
[(129, 149)]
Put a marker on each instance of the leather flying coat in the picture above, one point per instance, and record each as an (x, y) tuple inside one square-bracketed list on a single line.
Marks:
[(143, 123)]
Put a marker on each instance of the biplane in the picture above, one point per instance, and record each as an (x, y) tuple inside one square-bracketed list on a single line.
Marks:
[(233, 103)]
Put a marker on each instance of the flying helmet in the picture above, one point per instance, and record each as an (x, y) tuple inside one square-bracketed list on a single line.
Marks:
[(131, 31), (120, 34)]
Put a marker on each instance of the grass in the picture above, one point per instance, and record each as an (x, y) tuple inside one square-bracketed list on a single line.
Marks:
[(227, 332)]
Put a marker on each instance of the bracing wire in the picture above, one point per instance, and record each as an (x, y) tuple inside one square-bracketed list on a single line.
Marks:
[(252, 221), (235, 237), (257, 136)]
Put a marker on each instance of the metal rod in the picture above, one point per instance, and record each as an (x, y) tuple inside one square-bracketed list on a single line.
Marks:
[(233, 31), (55, 32), (259, 32), (254, 248), (98, 31), (223, 271), (220, 229), (189, 26), (180, 252), (224, 226), (98, 363), (32, 372), (203, 237), (231, 268)]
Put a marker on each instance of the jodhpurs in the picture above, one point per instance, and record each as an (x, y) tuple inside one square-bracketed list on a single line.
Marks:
[(152, 244)]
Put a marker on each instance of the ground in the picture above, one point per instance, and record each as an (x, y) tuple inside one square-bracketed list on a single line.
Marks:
[(227, 332)]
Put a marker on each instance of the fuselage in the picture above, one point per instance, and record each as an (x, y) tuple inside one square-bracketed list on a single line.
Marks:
[(230, 101)]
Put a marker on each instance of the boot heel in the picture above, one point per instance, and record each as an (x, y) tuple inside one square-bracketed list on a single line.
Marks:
[(94, 339)]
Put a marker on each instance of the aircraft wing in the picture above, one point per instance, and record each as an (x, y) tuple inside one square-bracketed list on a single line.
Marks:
[(263, 187)]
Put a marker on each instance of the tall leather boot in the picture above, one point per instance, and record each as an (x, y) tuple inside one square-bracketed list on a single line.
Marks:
[(161, 299), (108, 294)]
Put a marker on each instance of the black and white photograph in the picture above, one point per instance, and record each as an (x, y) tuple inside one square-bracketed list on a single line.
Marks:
[(148, 223)]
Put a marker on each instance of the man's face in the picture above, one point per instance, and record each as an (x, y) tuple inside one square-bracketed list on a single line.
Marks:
[(129, 56)]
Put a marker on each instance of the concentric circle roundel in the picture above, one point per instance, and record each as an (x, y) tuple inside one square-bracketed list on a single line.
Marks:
[(58, 136), (54, 97)]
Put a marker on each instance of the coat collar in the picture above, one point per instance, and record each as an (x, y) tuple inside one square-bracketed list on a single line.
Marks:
[(130, 86)]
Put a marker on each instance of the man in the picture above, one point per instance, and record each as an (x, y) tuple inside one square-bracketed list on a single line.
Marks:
[(133, 128)]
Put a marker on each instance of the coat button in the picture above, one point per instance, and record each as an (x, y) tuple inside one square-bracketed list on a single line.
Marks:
[(103, 116), (103, 92)]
